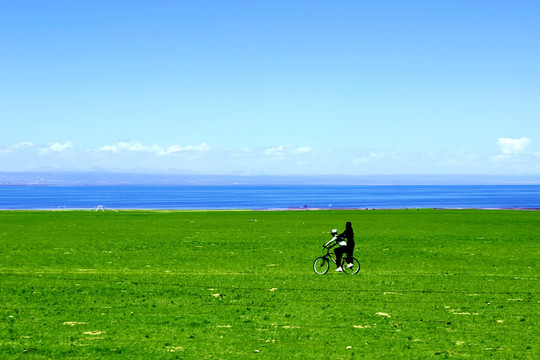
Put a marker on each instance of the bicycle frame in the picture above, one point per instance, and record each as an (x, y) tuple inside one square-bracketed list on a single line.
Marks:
[(332, 257)]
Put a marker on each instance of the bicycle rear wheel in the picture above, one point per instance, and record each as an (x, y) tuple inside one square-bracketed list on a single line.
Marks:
[(321, 265), (352, 270)]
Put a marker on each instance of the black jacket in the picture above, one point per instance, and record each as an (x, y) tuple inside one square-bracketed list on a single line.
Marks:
[(349, 235)]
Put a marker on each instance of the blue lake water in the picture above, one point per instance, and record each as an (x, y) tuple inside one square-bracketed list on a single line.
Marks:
[(270, 197)]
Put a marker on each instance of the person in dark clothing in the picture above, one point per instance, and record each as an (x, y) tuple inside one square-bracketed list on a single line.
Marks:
[(348, 249)]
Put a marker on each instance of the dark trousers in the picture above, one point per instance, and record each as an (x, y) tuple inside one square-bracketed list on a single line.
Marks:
[(349, 249)]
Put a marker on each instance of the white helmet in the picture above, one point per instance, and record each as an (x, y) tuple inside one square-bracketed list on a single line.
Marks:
[(334, 231)]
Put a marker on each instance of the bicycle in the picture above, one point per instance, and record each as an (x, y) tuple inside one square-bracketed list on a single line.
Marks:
[(321, 265)]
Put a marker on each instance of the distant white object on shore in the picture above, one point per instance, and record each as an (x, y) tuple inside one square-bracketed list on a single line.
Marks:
[(103, 208)]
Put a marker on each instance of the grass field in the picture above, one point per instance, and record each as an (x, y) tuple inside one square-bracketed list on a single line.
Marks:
[(240, 285)]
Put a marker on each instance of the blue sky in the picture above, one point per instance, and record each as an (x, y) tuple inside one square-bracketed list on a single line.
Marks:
[(271, 87)]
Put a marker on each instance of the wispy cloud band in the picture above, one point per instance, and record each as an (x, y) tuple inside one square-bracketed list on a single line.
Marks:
[(154, 149), (56, 147), (285, 150), (10, 148), (509, 155)]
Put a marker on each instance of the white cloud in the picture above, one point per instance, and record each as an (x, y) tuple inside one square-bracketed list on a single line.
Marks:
[(25, 144), (124, 146), (153, 149), (277, 151), (513, 146), (11, 148), (377, 155), (302, 150), (178, 149), (56, 147), (284, 150), (112, 148)]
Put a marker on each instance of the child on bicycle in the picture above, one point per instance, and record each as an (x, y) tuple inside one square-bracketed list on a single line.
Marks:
[(344, 247)]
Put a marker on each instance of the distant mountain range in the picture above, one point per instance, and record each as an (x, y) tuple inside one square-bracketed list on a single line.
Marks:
[(56, 178)]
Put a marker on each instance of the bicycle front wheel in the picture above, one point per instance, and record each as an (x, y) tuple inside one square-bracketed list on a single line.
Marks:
[(353, 269), (321, 265)]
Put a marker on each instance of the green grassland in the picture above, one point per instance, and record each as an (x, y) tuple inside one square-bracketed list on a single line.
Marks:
[(240, 285)]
